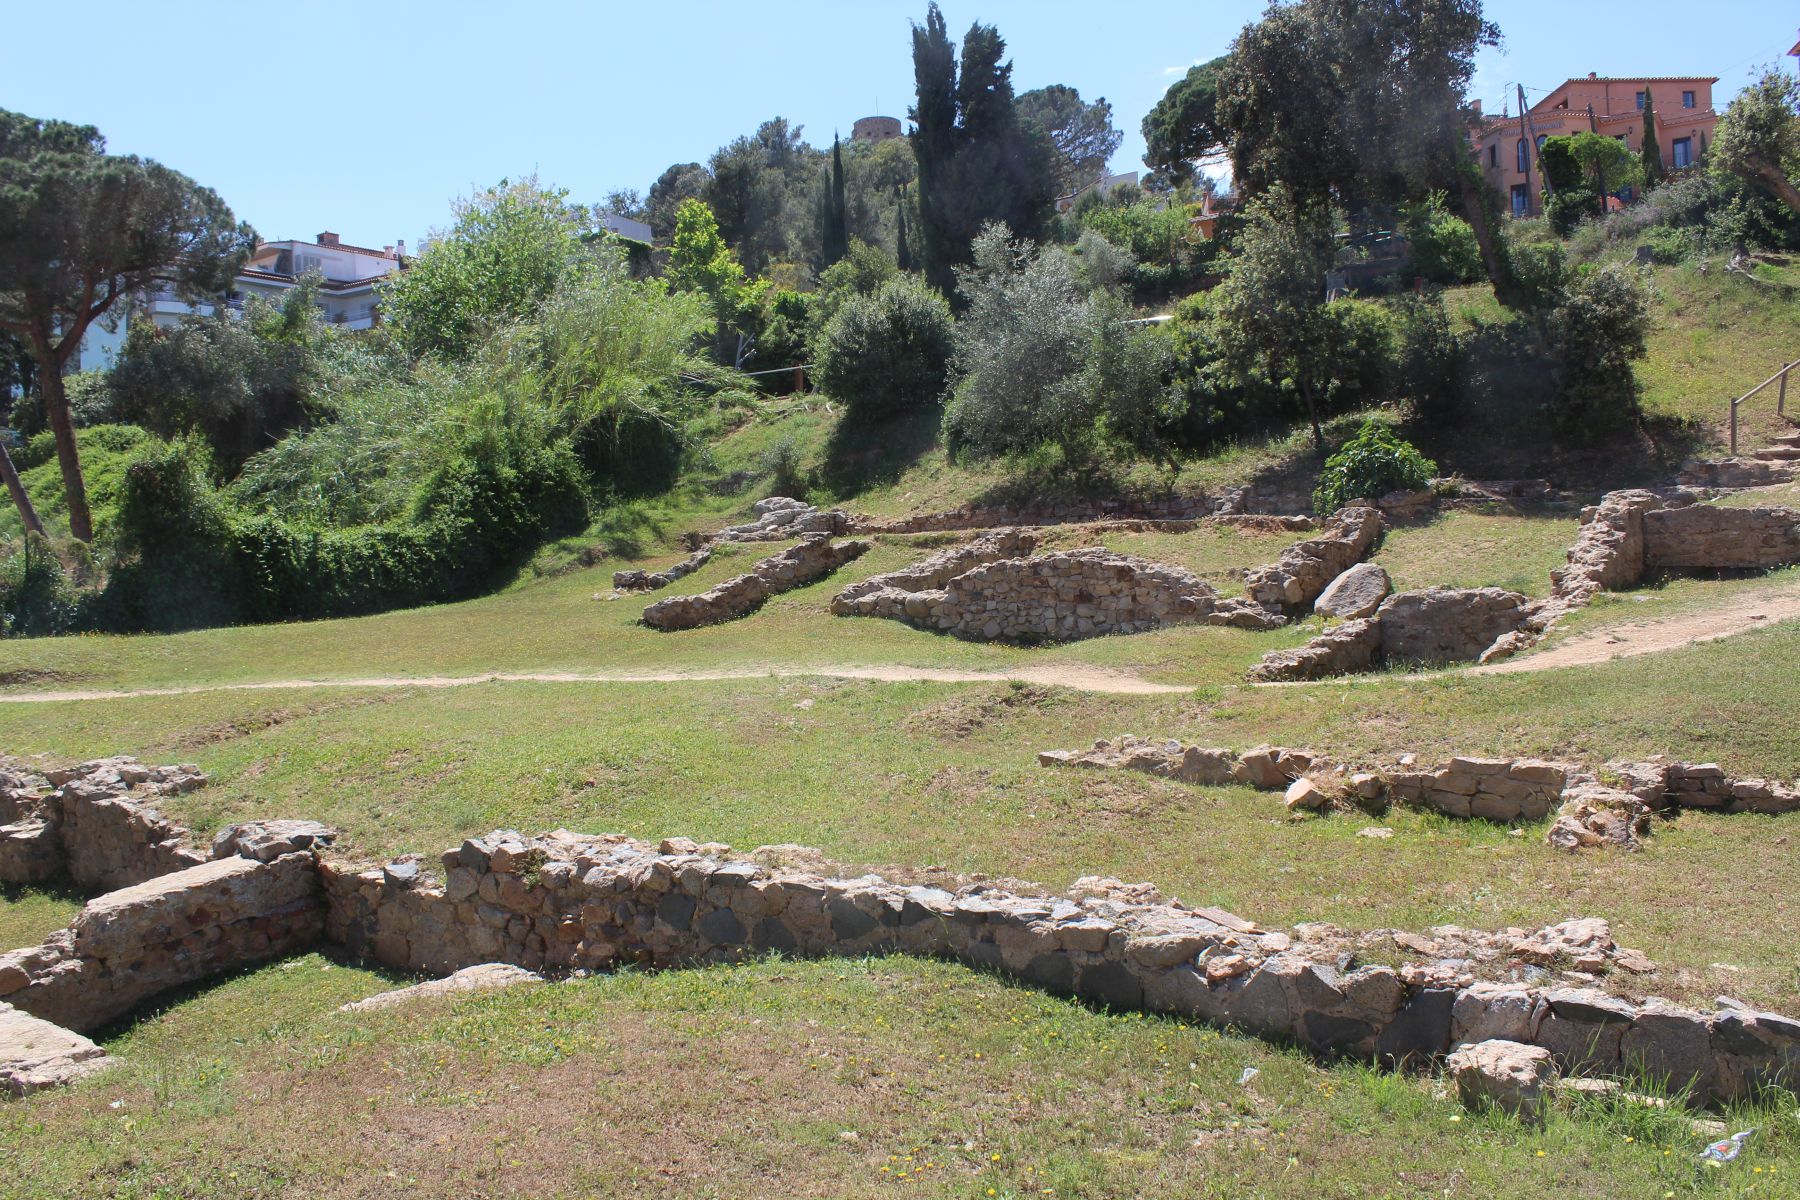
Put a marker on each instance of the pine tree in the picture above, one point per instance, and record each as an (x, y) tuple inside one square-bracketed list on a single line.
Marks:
[(1652, 151)]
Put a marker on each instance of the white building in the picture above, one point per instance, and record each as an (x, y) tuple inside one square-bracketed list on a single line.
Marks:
[(346, 296), (625, 227), (1103, 185)]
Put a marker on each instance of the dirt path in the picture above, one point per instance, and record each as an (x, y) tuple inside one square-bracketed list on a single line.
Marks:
[(1620, 641), (1086, 679), (1653, 636)]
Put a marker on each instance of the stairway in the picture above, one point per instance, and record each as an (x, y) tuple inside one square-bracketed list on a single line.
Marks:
[(1783, 448)]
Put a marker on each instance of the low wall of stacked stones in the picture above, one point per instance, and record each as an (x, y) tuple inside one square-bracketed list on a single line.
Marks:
[(649, 581), (814, 558), (1306, 569), (1608, 807), (94, 825), (566, 902)]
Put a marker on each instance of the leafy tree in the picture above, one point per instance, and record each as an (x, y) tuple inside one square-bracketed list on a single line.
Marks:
[(700, 261), (626, 202), (683, 181), (887, 354), (510, 248), (1083, 134), (1183, 130), (861, 272), (1269, 311), (758, 192), (1571, 196), (1381, 88), (1606, 164), (1368, 466), (903, 255), (1651, 152), (81, 229), (977, 161), (241, 383), (1758, 139)]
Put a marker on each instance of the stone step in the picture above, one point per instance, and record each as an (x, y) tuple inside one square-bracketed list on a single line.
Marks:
[(1787, 439), (1778, 454)]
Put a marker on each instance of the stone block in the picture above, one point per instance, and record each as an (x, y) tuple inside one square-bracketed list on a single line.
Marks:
[(1507, 1074)]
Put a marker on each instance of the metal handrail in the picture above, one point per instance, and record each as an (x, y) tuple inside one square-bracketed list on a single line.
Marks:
[(1780, 398)]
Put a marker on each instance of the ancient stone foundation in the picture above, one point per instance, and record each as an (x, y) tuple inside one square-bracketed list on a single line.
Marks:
[(781, 517), (565, 901), (1054, 597), (1305, 569), (649, 581), (814, 558), (1590, 812), (1431, 626)]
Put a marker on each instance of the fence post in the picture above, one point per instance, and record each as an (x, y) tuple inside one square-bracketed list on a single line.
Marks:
[(1734, 405), (1781, 392)]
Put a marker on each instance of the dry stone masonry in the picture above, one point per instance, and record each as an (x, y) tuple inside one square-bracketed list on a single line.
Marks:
[(814, 558), (1063, 596), (1305, 569), (511, 906), (885, 595), (1589, 811), (649, 581), (1627, 536), (781, 517)]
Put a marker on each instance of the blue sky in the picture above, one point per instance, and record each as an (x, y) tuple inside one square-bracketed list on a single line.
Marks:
[(368, 119)]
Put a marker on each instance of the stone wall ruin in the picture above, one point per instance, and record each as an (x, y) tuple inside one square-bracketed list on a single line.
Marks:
[(814, 558), (565, 901)]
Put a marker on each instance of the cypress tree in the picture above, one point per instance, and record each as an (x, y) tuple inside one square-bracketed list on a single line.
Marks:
[(1652, 151), (902, 248), (836, 212)]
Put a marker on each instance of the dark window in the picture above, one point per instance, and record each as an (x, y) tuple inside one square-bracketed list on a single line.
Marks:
[(1687, 99), (1681, 152), (1640, 101), (1494, 155), (1524, 161), (1521, 200)]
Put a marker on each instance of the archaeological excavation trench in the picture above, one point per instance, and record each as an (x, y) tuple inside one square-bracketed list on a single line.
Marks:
[(508, 907)]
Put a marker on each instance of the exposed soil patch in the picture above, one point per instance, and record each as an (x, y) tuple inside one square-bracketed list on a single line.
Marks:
[(23, 675), (259, 722), (965, 715)]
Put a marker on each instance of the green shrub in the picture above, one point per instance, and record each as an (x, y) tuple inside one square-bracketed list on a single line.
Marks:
[(887, 354), (105, 452), (1596, 333), (1359, 344), (1670, 245), (1443, 245), (1370, 465), (1430, 358), (37, 597)]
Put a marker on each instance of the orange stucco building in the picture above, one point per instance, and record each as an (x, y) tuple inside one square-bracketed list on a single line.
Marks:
[(1610, 105)]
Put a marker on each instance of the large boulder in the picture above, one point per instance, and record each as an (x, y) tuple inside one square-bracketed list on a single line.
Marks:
[(1358, 592), (1510, 1075)]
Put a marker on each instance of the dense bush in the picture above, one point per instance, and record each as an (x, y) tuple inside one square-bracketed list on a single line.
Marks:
[(887, 354), (37, 597), (188, 557), (1370, 465), (1443, 246), (1430, 358), (861, 272), (1596, 333)]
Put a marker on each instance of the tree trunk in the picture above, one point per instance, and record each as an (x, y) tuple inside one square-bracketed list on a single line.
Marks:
[(1312, 413), (1776, 180), (1476, 213), (27, 512), (56, 405)]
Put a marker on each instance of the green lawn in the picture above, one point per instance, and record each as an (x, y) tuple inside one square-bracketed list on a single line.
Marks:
[(790, 1079), (29, 914)]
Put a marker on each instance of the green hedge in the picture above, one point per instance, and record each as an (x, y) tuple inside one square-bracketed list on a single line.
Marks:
[(188, 558)]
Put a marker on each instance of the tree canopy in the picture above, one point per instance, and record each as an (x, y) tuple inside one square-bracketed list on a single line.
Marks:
[(1082, 133), (1758, 139), (977, 161), (1183, 130), (80, 230)]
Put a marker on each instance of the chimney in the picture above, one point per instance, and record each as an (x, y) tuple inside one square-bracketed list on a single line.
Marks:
[(1593, 74), (400, 248), (1476, 106), (328, 239)]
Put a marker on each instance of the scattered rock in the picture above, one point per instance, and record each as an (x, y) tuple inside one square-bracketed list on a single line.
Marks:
[(1358, 592), (1507, 1074), (479, 978)]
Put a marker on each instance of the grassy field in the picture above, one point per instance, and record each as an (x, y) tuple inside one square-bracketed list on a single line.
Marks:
[(781, 1079), (744, 1081)]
